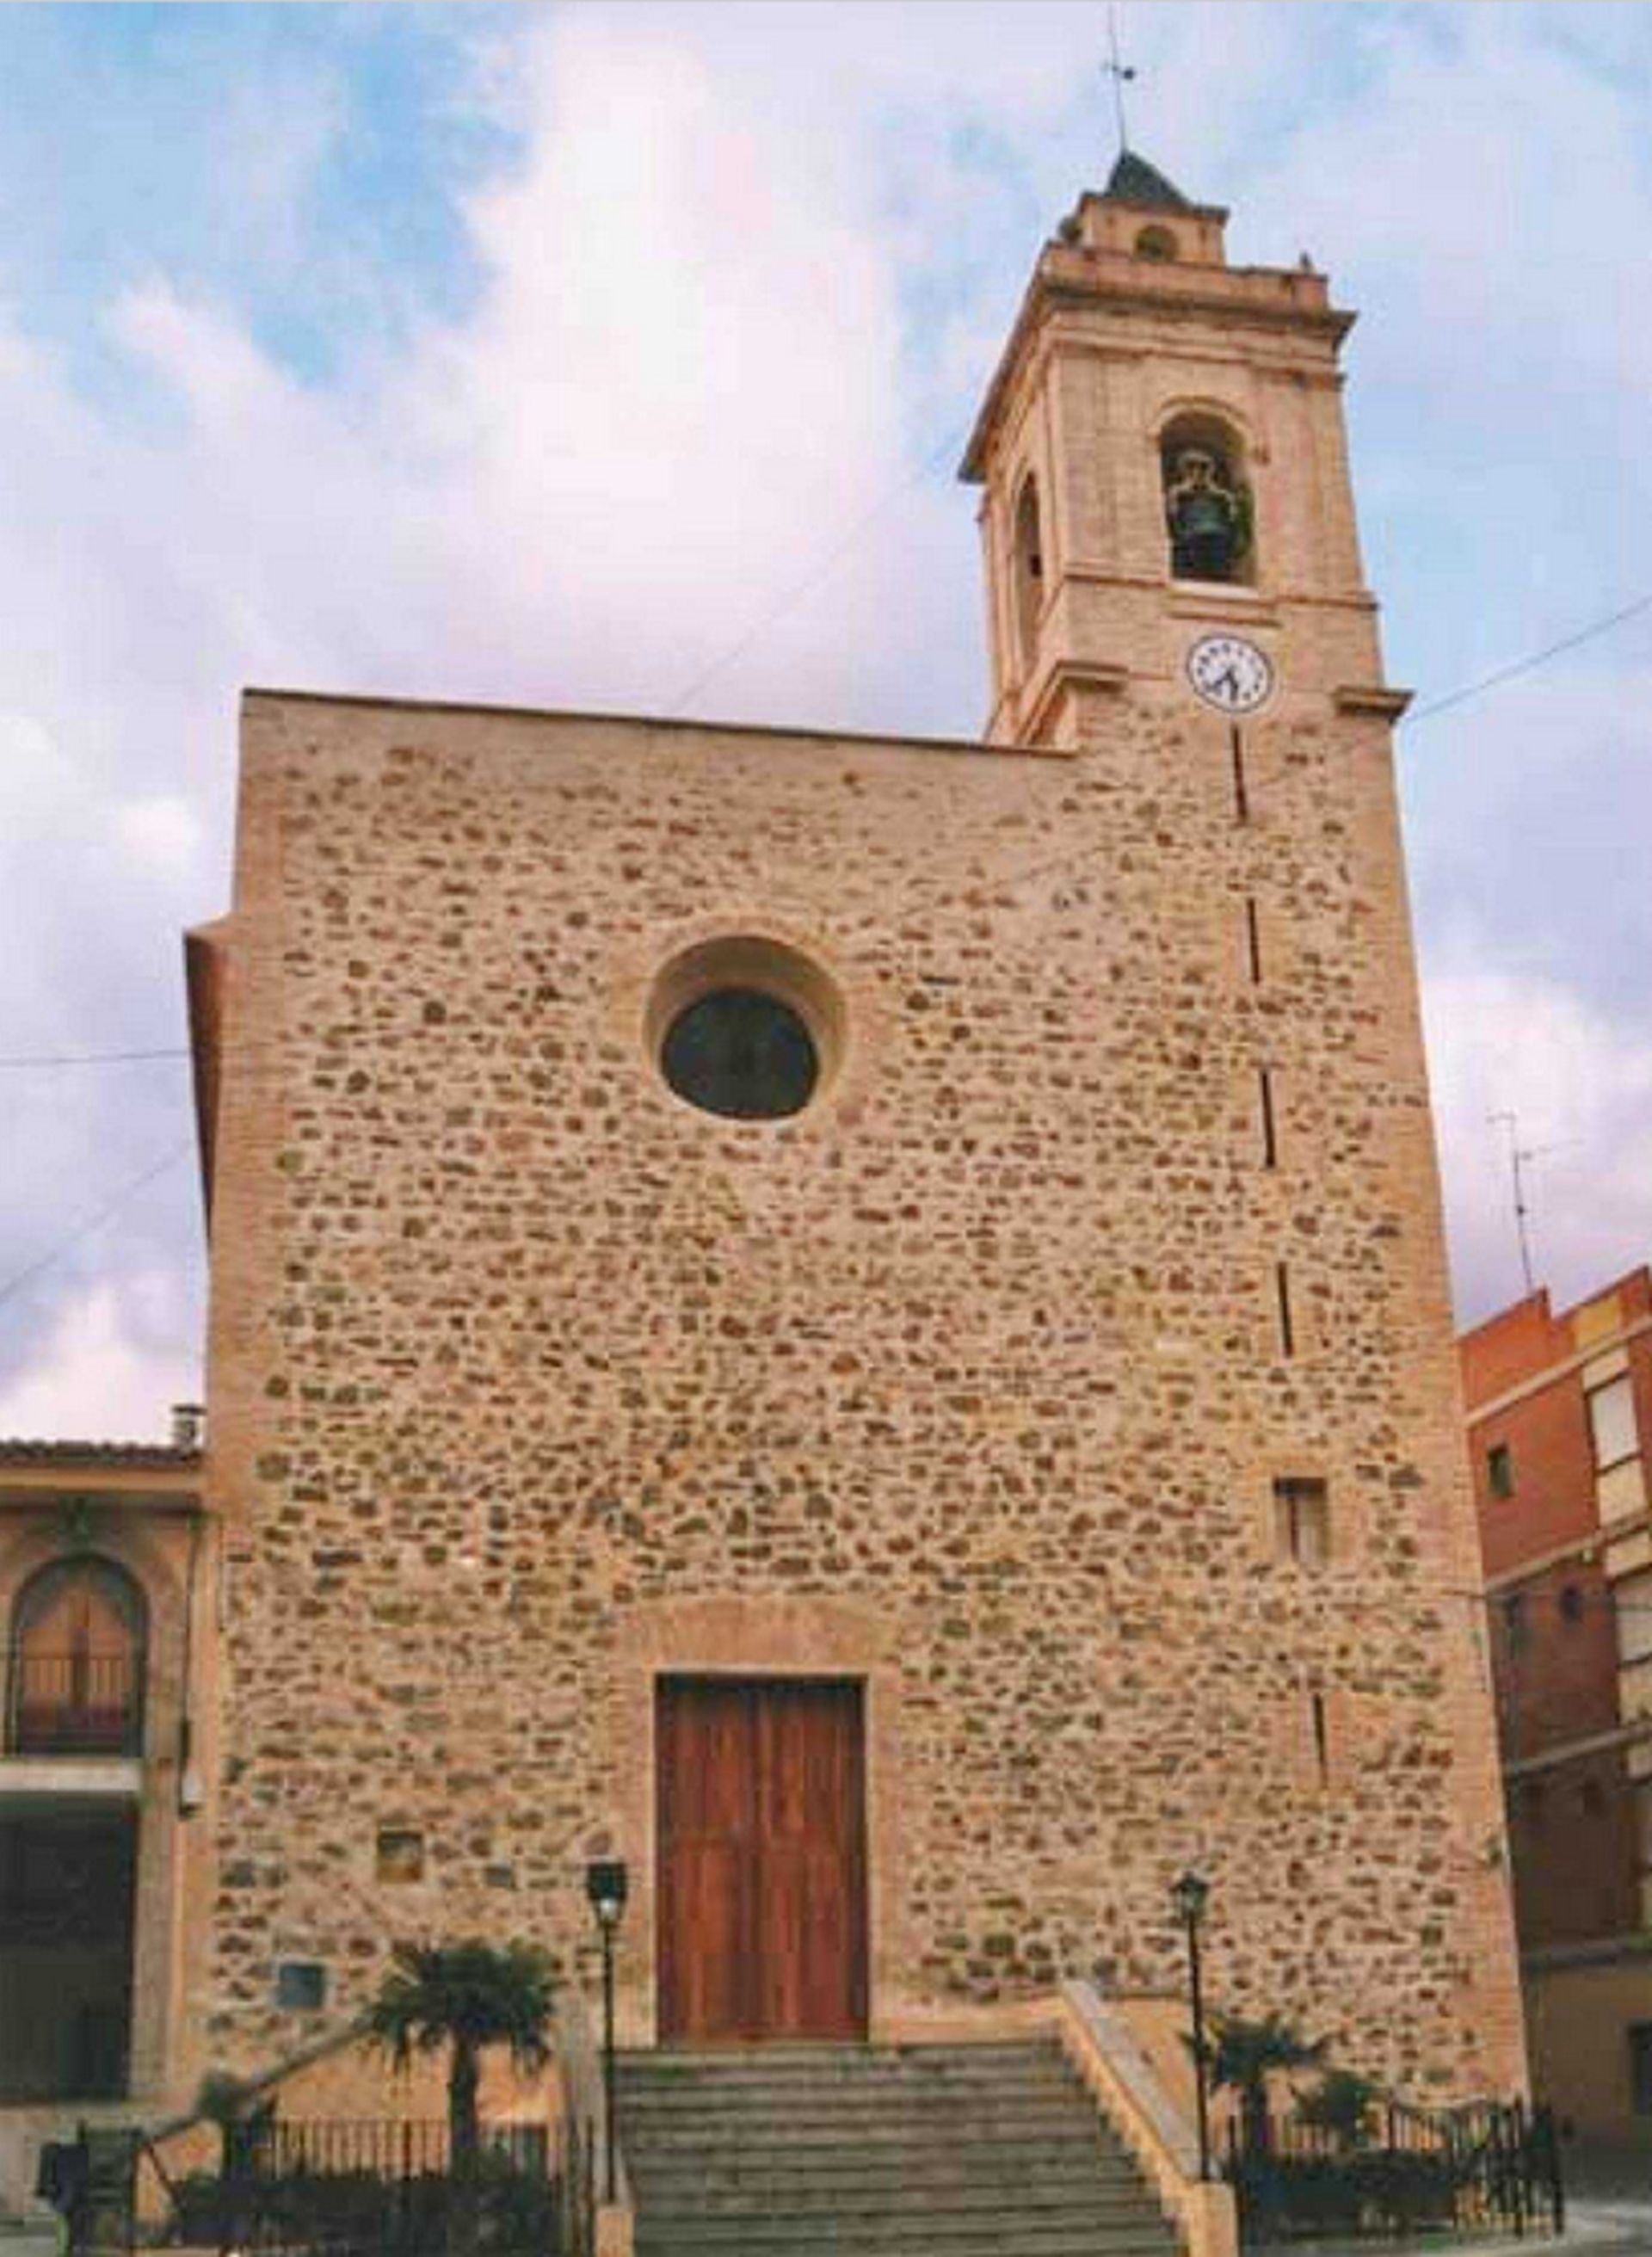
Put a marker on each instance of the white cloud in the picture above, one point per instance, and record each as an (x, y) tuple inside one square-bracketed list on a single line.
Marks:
[(751, 265), (164, 833), (90, 1376)]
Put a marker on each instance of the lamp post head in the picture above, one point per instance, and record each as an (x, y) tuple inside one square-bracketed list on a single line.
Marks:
[(1190, 1895), (605, 1887)]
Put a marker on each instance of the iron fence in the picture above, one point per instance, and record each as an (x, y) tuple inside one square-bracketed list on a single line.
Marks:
[(370, 2188), (1486, 2169)]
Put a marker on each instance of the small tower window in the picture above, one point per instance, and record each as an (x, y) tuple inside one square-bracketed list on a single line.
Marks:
[(1208, 511), (1156, 243), (1302, 1521), (1028, 567)]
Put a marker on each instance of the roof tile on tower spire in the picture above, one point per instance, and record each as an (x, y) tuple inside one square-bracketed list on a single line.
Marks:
[(1132, 181)]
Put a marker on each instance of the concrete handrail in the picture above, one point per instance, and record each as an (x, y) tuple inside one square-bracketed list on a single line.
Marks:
[(1103, 2049), (580, 2079)]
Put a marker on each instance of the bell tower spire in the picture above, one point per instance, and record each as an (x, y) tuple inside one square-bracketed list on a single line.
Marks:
[(1162, 451)]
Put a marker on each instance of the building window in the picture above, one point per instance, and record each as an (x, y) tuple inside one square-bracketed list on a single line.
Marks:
[(69, 1869), (300, 1986), (1643, 1823), (1302, 1521), (1254, 942), (75, 1679), (1320, 1727), (1612, 1423), (1286, 1320), (745, 1028), (1640, 2036), (1570, 1604), (1499, 1470), (1028, 573), (399, 1855), (1156, 244), (1270, 1133), (1632, 1605), (741, 1053), (1514, 1624)]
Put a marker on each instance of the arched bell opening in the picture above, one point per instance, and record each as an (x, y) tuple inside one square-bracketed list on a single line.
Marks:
[(1208, 512), (1027, 568)]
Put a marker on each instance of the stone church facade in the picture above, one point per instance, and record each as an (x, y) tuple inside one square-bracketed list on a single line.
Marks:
[(862, 1324)]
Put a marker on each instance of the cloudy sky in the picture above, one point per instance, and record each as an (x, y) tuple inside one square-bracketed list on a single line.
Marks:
[(621, 355)]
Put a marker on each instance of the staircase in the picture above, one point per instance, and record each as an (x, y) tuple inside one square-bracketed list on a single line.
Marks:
[(885, 2151)]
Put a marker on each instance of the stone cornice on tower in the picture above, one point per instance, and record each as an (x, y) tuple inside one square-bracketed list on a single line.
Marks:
[(1089, 276)]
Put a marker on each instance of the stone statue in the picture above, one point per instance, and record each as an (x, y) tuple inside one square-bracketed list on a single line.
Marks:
[(1208, 516)]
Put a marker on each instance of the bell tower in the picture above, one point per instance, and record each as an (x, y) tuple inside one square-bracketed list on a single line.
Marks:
[(1163, 459)]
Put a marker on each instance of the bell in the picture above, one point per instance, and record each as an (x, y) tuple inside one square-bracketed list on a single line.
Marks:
[(1203, 536)]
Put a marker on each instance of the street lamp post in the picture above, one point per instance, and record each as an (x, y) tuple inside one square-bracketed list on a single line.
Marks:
[(605, 1884), (1190, 1895)]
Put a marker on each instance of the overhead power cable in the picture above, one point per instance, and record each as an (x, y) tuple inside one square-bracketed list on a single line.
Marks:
[(817, 571), (91, 1058), (1530, 664), (800, 588), (14, 1284)]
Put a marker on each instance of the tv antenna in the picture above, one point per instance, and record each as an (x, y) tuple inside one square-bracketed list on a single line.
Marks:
[(1520, 1158), (1120, 73)]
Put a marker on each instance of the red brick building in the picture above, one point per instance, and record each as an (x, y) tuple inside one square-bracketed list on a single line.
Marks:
[(1558, 1404)]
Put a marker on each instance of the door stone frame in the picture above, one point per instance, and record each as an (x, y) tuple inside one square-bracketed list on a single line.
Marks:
[(754, 1637)]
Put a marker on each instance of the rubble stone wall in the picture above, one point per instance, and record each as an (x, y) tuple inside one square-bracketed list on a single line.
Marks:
[(530, 1380)]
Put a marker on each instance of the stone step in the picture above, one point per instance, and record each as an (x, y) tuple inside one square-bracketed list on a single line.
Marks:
[(891, 2157), (803, 2168), (999, 2241), (742, 2073), (879, 2152), (779, 2060), (888, 2084), (1002, 2240), (734, 2088), (911, 2196), (984, 2234), (992, 2118)]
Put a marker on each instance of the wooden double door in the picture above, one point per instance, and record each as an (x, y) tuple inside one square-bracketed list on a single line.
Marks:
[(762, 1834)]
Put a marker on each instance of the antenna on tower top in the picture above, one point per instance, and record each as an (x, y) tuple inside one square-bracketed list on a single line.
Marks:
[(1520, 1158), (1119, 72)]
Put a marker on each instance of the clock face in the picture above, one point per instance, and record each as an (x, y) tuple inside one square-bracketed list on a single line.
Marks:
[(1229, 673)]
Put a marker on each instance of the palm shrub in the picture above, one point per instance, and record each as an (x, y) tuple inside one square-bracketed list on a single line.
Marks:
[(457, 1998), (1243, 2055), (231, 2106), (1342, 2104)]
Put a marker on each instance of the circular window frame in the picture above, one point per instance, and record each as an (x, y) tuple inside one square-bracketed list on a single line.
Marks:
[(760, 962)]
